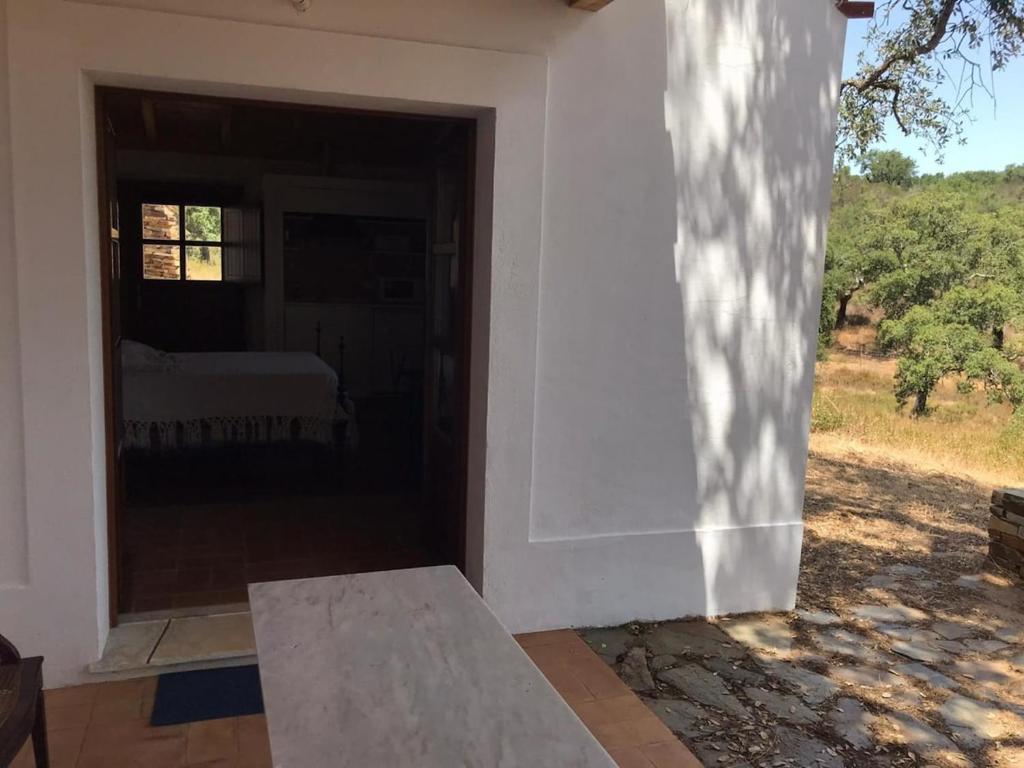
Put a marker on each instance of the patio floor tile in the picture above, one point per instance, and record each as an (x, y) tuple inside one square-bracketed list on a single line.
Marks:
[(107, 724)]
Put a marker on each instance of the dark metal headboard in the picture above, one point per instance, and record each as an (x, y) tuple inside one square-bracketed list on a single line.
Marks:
[(342, 391)]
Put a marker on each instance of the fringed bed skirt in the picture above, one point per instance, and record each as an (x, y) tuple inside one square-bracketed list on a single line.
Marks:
[(232, 430)]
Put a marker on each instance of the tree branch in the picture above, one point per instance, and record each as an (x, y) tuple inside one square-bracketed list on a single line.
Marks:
[(896, 110), (908, 55)]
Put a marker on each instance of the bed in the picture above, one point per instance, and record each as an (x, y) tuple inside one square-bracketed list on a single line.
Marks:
[(201, 400)]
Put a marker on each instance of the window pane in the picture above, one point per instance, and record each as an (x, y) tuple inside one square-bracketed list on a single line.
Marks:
[(161, 262), (160, 222), (202, 262), (202, 222)]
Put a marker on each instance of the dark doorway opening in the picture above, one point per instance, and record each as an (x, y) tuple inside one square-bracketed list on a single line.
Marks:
[(286, 316)]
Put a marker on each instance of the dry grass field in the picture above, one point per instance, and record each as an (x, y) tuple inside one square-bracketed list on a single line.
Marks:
[(855, 413)]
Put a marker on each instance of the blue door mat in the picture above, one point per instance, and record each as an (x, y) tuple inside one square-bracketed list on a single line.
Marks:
[(208, 694)]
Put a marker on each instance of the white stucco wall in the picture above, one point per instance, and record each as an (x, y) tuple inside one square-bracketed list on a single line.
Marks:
[(653, 194), (678, 324), (13, 542)]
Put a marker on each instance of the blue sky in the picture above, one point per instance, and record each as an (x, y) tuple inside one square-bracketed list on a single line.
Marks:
[(995, 138)]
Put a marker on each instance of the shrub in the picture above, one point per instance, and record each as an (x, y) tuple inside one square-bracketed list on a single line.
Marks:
[(825, 414)]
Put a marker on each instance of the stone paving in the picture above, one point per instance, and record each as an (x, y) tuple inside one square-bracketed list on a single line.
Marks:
[(910, 676)]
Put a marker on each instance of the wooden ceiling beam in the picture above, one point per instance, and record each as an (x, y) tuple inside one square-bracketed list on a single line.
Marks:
[(588, 5), (855, 9), (149, 120), (225, 126), (852, 9)]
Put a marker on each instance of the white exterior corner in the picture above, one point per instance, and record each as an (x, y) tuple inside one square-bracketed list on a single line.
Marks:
[(652, 196)]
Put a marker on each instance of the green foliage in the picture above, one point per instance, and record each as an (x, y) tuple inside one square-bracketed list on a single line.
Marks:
[(923, 61), (888, 166), (1012, 437), (987, 306), (930, 349), (1003, 379), (1014, 173), (944, 262), (202, 222), (829, 304), (854, 255), (924, 241), (825, 414)]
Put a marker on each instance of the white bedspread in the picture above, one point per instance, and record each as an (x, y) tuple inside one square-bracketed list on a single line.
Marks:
[(229, 397)]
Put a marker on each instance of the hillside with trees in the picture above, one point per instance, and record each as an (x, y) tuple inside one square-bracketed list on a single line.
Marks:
[(922, 328), (939, 262)]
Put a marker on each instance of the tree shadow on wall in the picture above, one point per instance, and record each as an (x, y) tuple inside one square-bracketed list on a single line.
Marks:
[(679, 324), (750, 110)]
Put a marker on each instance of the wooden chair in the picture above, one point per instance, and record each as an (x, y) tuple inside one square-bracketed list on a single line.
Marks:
[(8, 653), (22, 711)]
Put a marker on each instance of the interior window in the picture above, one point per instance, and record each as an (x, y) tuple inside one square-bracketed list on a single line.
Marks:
[(182, 242)]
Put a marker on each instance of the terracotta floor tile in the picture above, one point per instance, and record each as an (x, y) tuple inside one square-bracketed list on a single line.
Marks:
[(78, 695), (65, 746), (96, 760), (122, 738), (619, 709), (100, 737), (671, 754), (107, 725), (124, 690), (550, 637), (253, 742), (564, 647), (576, 644), (168, 752), (599, 678), (144, 604), (156, 559), (205, 552), (630, 757), (116, 711), (60, 718), (567, 684), (252, 727), (134, 745), (209, 597), (155, 581), (149, 686), (192, 579), (633, 733), (549, 656), (613, 713), (212, 740)]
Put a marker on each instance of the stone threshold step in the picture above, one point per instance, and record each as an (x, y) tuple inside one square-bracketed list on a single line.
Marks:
[(156, 645), (154, 670)]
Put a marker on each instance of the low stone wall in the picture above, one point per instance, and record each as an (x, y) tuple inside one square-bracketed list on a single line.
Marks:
[(1006, 529)]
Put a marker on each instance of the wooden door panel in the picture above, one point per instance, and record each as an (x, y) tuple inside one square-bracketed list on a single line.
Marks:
[(445, 389), (110, 290)]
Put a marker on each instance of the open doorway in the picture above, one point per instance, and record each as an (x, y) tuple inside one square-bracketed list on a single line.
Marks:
[(286, 320)]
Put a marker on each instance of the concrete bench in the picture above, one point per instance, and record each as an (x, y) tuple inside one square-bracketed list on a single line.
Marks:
[(404, 668)]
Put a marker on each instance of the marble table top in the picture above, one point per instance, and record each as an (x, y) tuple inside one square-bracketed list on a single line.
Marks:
[(404, 668)]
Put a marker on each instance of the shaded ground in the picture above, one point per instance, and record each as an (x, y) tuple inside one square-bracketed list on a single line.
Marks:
[(905, 649)]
